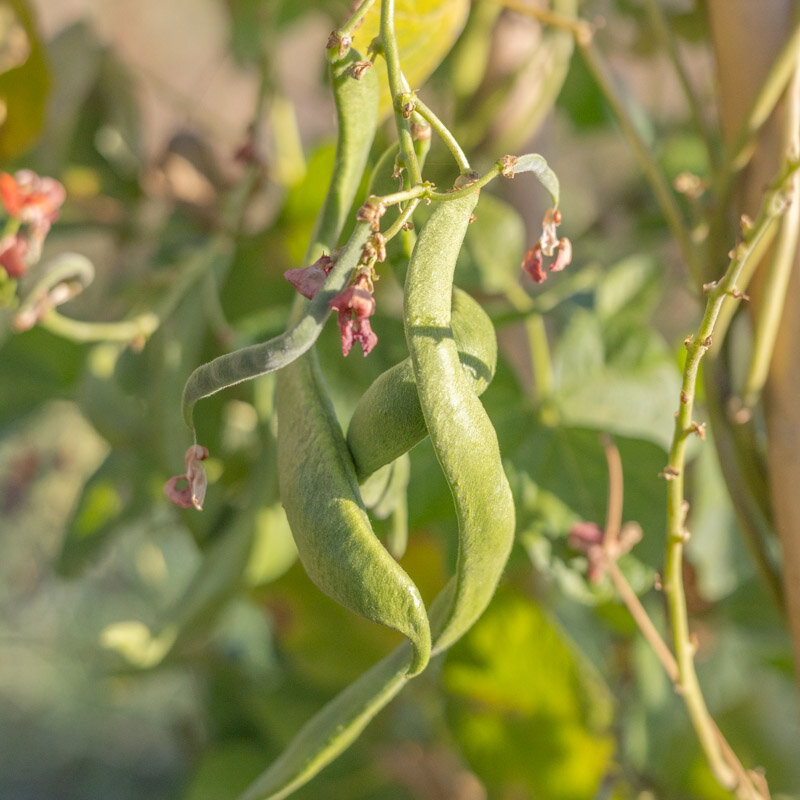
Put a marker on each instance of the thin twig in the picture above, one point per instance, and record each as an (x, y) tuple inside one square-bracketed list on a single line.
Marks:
[(444, 133)]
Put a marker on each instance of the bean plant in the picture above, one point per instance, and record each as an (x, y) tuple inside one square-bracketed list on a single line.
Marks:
[(484, 451)]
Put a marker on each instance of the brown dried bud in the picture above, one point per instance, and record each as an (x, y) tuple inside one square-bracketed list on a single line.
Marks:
[(509, 162), (372, 213), (341, 43), (420, 131), (358, 69)]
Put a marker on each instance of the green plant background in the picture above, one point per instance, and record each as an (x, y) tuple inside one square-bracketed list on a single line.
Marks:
[(116, 684)]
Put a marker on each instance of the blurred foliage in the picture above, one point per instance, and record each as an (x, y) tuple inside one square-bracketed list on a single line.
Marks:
[(152, 651)]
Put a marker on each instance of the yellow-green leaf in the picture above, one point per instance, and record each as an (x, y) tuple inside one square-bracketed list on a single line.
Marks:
[(24, 80), (526, 710), (425, 30)]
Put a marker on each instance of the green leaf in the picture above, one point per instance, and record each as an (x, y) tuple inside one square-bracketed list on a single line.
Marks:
[(493, 247), (425, 32), (620, 380), (528, 714), (36, 367), (25, 86), (533, 162)]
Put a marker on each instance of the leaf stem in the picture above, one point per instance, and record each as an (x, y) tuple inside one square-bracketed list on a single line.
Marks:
[(447, 137), (398, 86), (402, 219), (356, 18), (776, 282), (771, 90), (662, 30)]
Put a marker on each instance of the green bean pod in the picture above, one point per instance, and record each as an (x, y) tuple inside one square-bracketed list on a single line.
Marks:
[(462, 435), (318, 484), (334, 538), (388, 420), (356, 104)]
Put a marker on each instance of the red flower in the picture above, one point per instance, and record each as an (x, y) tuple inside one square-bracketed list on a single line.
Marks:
[(308, 280), (533, 263), (31, 199), (355, 306)]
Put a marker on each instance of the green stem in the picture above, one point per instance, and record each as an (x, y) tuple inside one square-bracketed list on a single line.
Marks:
[(662, 30), (425, 191), (447, 137), (726, 767), (131, 330), (780, 268), (349, 28), (405, 216), (770, 93), (398, 86)]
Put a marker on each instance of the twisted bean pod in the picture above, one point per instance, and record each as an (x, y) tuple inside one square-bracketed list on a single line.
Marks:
[(318, 485), (388, 420), (334, 538), (461, 432)]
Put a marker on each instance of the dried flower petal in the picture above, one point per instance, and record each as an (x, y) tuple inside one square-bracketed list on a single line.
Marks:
[(193, 494), (533, 263), (355, 305), (549, 238), (309, 280), (563, 256)]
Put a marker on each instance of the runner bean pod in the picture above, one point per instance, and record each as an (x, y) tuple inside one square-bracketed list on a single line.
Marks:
[(318, 485), (463, 437), (388, 421)]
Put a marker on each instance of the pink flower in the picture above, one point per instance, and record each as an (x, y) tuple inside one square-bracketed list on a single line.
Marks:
[(548, 245), (193, 494), (309, 280), (13, 255), (563, 256), (587, 538), (355, 306)]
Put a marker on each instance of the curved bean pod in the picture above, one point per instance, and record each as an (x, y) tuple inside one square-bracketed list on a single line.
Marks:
[(318, 485), (334, 538), (388, 420), (461, 432)]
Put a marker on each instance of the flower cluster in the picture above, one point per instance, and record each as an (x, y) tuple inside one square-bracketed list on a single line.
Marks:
[(32, 203), (355, 305), (548, 245), (194, 492)]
